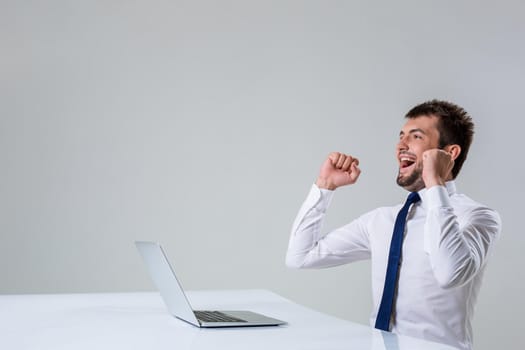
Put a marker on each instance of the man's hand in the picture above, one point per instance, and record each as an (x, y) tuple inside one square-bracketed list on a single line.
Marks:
[(338, 170), (437, 167)]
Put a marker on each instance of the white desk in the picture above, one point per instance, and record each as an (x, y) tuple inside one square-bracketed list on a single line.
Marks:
[(140, 321)]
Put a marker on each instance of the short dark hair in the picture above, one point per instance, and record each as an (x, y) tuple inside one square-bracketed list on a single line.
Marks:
[(455, 126)]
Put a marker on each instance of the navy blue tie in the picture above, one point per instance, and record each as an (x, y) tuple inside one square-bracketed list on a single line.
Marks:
[(385, 308)]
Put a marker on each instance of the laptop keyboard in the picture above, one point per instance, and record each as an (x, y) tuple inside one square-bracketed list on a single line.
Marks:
[(215, 316)]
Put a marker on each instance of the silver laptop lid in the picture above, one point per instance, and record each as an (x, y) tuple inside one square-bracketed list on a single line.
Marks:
[(166, 281)]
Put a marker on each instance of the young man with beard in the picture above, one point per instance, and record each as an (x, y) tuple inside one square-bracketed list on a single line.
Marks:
[(428, 255)]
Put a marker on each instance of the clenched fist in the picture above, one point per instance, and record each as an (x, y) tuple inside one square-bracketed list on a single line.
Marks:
[(437, 167), (338, 170)]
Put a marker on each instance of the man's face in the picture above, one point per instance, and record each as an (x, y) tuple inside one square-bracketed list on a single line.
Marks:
[(417, 135)]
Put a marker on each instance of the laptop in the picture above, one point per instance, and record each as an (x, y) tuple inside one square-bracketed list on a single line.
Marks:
[(162, 274)]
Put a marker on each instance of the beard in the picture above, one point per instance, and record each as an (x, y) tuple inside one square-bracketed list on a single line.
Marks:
[(412, 182)]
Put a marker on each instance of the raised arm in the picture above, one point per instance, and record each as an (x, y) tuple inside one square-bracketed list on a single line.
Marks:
[(308, 248), (457, 250)]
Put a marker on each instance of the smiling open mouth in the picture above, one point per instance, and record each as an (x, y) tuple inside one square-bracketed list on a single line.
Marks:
[(405, 162)]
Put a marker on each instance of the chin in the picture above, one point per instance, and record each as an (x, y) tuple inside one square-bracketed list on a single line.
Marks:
[(412, 182)]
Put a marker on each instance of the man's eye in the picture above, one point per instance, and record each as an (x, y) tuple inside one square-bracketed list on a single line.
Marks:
[(418, 136)]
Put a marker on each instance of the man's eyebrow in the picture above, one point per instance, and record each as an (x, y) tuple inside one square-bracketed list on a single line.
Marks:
[(411, 131)]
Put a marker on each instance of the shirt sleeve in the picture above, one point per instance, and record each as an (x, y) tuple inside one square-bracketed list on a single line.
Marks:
[(457, 250), (309, 248)]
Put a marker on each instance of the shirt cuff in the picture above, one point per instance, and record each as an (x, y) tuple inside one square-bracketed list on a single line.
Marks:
[(321, 198), (437, 197)]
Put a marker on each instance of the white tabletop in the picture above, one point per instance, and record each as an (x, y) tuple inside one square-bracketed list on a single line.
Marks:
[(141, 321)]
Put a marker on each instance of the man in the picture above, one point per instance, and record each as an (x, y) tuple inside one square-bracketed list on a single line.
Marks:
[(427, 258)]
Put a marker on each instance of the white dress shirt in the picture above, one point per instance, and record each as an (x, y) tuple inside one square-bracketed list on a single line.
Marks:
[(448, 238)]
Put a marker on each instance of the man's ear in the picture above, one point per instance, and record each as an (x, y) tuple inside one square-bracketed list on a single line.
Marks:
[(453, 150)]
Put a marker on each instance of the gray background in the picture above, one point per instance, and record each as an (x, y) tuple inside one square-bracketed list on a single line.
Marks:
[(202, 125)]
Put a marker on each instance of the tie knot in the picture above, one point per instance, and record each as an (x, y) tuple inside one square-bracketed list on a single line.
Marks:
[(413, 197)]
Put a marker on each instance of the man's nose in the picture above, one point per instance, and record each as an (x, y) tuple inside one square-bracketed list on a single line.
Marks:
[(402, 144)]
